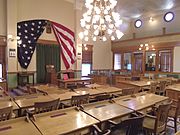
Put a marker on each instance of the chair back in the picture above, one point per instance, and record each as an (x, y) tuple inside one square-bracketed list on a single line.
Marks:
[(41, 107), (153, 87), (102, 97), (162, 115), (177, 113), (5, 113), (162, 85), (79, 100), (133, 125), (128, 91)]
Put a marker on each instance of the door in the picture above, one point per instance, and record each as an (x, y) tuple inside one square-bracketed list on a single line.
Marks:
[(138, 63)]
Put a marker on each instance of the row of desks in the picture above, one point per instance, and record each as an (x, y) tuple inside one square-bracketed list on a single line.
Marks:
[(70, 120), (51, 94)]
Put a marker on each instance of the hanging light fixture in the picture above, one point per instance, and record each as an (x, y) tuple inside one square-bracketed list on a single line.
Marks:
[(100, 21)]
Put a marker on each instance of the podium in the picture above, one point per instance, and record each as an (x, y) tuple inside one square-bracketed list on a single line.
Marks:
[(51, 76)]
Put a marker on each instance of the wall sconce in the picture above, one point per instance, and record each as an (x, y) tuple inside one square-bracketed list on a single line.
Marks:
[(12, 38), (151, 19)]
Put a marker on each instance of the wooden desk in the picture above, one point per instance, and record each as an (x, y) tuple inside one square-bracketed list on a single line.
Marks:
[(26, 75), (29, 101), (110, 90), (91, 92), (94, 86), (177, 133), (103, 111), (141, 101), (74, 81), (18, 126), (64, 121), (7, 103), (49, 89), (63, 96), (173, 91), (138, 84)]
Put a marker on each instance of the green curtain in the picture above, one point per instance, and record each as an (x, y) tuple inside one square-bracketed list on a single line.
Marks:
[(46, 55)]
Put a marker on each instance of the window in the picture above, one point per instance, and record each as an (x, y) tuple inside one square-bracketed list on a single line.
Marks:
[(1, 71), (150, 62), (117, 61), (86, 69), (165, 61), (127, 61), (87, 52), (138, 23), (169, 16)]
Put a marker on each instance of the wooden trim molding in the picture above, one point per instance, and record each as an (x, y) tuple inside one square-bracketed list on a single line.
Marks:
[(3, 41), (143, 38), (47, 42), (16, 72)]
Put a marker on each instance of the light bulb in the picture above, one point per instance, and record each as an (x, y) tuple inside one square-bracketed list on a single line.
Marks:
[(110, 31), (104, 39), (140, 49), (141, 45), (96, 32), (94, 38), (112, 38), (108, 8), (86, 32), (81, 35), (95, 26), (111, 26), (87, 27), (146, 45), (105, 11), (119, 34), (86, 38), (86, 48)]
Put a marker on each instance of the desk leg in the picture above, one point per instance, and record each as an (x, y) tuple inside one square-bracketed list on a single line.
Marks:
[(65, 85), (33, 79)]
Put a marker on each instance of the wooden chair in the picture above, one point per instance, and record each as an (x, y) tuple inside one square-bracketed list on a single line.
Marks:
[(5, 113), (153, 87), (95, 130), (128, 91), (132, 125), (79, 100), (162, 88), (41, 107), (157, 124), (174, 113), (102, 97)]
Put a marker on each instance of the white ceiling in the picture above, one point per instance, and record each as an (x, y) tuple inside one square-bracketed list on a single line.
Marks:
[(136, 8), (131, 9)]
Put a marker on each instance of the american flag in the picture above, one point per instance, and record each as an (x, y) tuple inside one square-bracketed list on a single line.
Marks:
[(29, 32), (65, 38)]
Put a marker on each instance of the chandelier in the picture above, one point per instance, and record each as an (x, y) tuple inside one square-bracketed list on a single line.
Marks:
[(146, 47), (100, 21)]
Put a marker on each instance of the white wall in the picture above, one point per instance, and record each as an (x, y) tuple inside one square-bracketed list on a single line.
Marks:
[(57, 10), (3, 17)]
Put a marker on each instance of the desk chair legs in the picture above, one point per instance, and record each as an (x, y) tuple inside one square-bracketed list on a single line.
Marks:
[(95, 130)]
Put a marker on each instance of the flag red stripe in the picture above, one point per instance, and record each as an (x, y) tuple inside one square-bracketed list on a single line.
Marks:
[(69, 40), (65, 40), (68, 51), (64, 28)]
